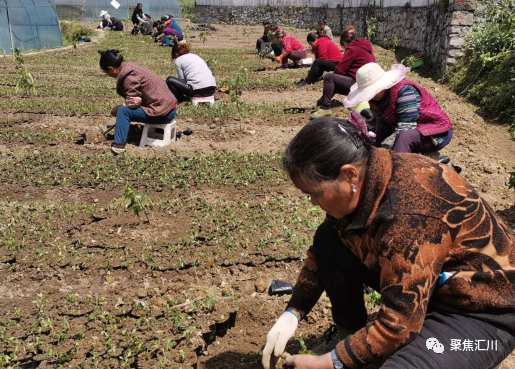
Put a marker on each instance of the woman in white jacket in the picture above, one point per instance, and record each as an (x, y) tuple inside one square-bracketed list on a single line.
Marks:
[(194, 78)]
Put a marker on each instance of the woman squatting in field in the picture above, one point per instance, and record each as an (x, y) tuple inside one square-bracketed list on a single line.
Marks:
[(415, 231)]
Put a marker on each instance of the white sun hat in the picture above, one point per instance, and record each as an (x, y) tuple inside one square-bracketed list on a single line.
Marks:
[(372, 79), (102, 13)]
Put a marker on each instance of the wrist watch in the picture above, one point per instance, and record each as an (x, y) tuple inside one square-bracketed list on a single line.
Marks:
[(337, 364)]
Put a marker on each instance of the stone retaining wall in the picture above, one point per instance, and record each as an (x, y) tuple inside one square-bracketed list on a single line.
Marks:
[(438, 28)]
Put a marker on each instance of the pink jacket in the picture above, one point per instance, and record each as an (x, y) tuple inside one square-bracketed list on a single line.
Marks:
[(290, 44)]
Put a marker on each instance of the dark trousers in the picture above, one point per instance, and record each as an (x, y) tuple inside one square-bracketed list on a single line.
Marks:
[(260, 44), (318, 68), (183, 92), (334, 84), (295, 56), (343, 277), (412, 141)]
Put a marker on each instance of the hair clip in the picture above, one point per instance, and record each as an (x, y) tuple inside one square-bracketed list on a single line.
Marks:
[(357, 121)]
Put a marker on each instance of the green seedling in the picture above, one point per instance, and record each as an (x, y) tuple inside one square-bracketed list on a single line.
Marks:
[(137, 201), (304, 349), (204, 36)]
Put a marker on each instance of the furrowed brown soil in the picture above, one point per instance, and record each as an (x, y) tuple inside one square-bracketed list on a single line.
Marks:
[(88, 283)]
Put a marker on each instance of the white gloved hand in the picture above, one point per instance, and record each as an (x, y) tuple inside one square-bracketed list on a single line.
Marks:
[(278, 337)]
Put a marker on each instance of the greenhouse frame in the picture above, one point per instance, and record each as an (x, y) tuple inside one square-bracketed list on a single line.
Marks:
[(89, 10), (28, 25)]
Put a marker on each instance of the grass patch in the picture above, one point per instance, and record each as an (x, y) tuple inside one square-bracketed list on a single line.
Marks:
[(491, 84), (71, 31)]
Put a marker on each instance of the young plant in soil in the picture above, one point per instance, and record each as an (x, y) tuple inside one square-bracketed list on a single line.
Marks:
[(25, 79), (204, 36), (235, 94), (246, 33), (139, 202)]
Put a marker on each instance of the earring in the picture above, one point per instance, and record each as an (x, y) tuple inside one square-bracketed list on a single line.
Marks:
[(354, 189)]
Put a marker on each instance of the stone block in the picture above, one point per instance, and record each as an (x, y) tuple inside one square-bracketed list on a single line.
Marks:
[(455, 53), (462, 19), (454, 30), (456, 42), (465, 5), (451, 61)]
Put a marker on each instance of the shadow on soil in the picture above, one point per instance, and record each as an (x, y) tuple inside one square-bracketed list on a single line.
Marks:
[(232, 359)]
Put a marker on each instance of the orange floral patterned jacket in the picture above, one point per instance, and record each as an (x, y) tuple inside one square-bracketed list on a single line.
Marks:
[(417, 219)]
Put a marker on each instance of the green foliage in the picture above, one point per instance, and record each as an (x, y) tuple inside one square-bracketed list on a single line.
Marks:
[(304, 349), (137, 201), (373, 299), (409, 61), (204, 36), (246, 33), (235, 94), (443, 4), (72, 31), (188, 8), (25, 80), (512, 179), (497, 35), (212, 64), (487, 72), (371, 28), (155, 173)]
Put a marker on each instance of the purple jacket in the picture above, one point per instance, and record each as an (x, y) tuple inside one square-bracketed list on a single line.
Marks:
[(169, 31)]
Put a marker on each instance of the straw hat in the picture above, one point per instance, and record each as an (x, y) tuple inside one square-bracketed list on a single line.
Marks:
[(102, 13), (371, 79)]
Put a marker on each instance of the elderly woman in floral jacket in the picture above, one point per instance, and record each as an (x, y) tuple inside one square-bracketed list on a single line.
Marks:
[(415, 231)]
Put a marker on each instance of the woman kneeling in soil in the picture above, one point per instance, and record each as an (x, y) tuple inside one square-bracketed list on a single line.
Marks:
[(194, 78), (412, 229), (327, 55), (147, 98), (358, 52), (411, 120), (292, 49)]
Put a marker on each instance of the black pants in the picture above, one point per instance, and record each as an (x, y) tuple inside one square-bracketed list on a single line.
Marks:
[(318, 68), (135, 30), (343, 277), (260, 44), (183, 92)]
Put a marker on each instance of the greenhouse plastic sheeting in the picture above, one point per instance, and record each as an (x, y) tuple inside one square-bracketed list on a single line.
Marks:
[(92, 9), (157, 8), (69, 9), (29, 25), (89, 10)]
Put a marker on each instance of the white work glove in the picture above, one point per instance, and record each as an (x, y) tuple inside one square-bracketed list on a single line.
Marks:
[(278, 337)]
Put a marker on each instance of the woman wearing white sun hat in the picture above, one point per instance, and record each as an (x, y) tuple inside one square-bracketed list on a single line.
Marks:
[(411, 119)]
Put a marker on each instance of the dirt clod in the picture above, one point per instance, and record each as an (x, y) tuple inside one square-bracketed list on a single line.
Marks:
[(261, 285), (141, 293)]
